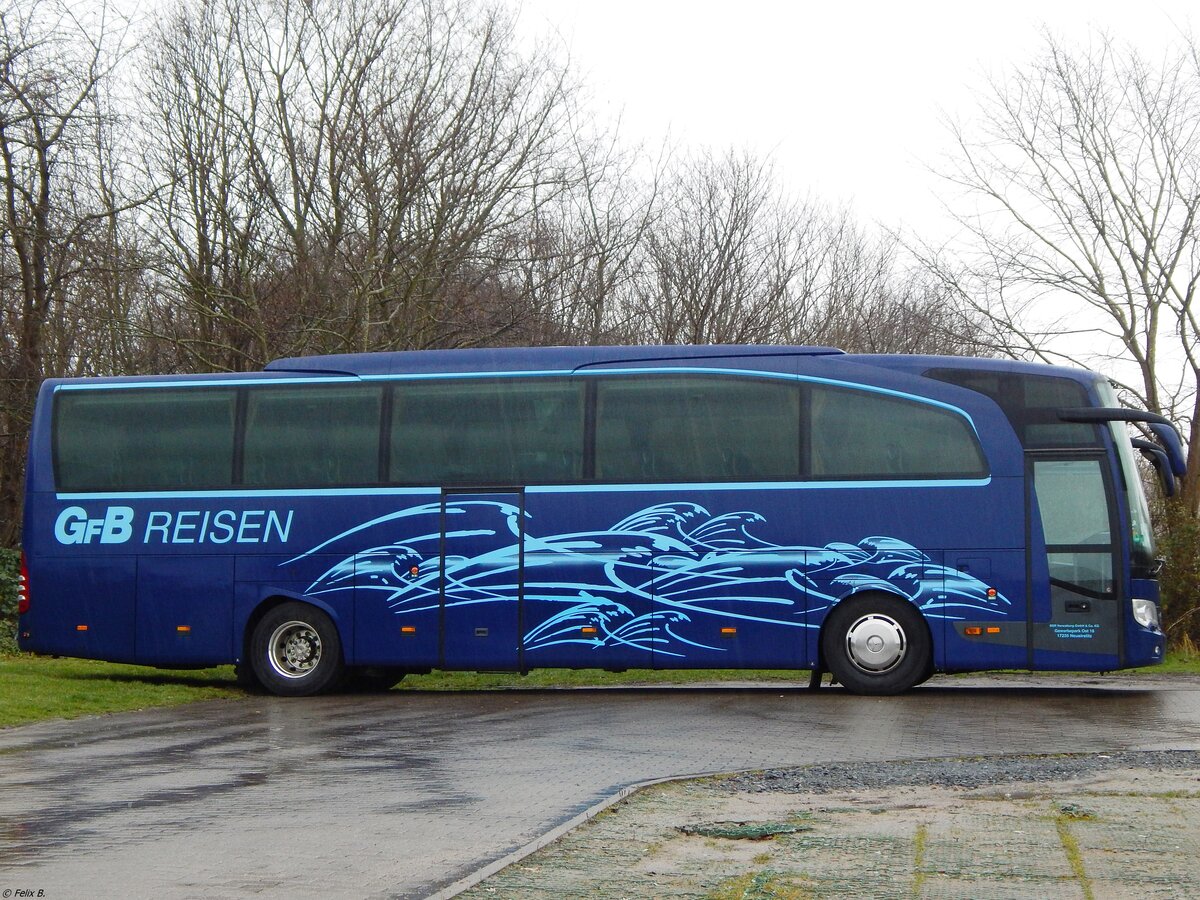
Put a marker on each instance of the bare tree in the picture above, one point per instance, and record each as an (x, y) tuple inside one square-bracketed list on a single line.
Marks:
[(349, 175), (729, 258), (583, 252), (206, 222), (872, 298), (1084, 241), (56, 208)]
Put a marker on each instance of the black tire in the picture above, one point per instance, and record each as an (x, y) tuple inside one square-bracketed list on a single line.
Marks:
[(243, 674), (295, 651), (374, 679), (877, 644), (929, 672)]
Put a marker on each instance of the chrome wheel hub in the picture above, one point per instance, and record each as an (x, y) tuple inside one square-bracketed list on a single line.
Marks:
[(294, 649), (875, 643)]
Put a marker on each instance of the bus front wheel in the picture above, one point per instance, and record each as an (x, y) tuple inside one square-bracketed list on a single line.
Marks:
[(296, 651), (876, 644)]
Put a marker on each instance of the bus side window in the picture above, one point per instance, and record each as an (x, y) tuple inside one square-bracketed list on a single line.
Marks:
[(485, 431), (143, 439), (696, 428), (312, 436), (864, 434)]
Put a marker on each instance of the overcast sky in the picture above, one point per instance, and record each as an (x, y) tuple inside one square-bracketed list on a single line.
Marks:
[(847, 97)]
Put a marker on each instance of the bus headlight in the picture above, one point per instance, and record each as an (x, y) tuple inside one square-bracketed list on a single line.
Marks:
[(1145, 613)]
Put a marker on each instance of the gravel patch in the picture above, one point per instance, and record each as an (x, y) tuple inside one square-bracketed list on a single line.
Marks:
[(1107, 826), (973, 772)]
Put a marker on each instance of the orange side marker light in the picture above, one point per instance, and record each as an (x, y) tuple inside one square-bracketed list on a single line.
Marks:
[(81, 628), (408, 629), (993, 629), (973, 630), (184, 629), (589, 629)]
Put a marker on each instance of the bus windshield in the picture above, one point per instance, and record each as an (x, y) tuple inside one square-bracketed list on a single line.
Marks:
[(1141, 528)]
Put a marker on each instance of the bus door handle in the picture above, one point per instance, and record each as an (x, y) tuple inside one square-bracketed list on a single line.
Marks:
[(1079, 606)]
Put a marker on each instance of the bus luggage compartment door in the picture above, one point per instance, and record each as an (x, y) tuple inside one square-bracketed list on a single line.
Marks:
[(482, 577), (185, 610), (91, 614)]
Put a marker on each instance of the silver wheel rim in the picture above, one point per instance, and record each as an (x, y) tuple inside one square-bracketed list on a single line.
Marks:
[(294, 649), (876, 643)]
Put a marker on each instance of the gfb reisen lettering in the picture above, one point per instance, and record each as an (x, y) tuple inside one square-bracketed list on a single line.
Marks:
[(120, 524)]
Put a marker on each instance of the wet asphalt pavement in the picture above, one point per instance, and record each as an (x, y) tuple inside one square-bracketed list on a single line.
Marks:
[(405, 793)]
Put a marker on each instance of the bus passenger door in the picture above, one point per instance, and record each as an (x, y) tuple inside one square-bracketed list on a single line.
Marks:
[(1075, 619), (481, 579)]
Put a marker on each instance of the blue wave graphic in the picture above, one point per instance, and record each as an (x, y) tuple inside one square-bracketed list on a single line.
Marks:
[(675, 561)]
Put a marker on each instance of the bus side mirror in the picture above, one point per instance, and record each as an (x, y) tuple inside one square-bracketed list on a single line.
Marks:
[(1169, 438), (1160, 427), (1161, 464)]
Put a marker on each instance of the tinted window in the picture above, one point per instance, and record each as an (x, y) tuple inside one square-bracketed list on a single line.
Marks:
[(1072, 501), (482, 431), (312, 436), (858, 434), (677, 428), (143, 439), (1074, 509), (1031, 403)]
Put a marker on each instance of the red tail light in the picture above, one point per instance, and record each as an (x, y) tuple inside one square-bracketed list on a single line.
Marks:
[(23, 588)]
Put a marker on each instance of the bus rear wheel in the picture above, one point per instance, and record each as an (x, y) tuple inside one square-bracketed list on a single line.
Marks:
[(295, 651), (877, 644)]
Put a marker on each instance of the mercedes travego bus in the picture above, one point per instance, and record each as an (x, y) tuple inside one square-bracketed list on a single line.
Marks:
[(881, 518)]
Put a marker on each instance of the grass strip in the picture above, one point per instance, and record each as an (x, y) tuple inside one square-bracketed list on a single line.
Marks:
[(559, 678), (920, 845), (33, 688), (1071, 847)]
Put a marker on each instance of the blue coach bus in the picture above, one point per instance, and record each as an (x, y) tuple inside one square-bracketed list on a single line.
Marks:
[(881, 518)]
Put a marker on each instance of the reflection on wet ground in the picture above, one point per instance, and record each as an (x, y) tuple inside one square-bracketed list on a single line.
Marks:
[(403, 793)]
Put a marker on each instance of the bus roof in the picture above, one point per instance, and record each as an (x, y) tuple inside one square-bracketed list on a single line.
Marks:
[(503, 359), (570, 359), (915, 364)]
